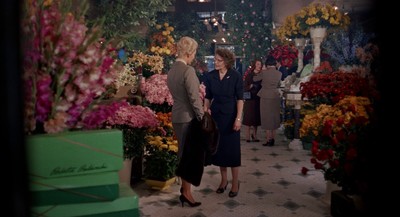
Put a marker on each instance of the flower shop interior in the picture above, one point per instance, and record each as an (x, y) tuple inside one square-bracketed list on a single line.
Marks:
[(88, 111)]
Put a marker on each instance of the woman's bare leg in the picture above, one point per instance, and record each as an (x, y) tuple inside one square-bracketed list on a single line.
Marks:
[(235, 179)]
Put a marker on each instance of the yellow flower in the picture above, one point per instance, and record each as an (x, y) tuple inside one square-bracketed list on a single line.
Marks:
[(313, 15)]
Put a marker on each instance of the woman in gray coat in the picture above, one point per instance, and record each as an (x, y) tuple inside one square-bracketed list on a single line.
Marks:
[(270, 99), (184, 86)]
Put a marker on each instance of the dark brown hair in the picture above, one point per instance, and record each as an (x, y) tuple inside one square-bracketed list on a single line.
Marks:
[(253, 63), (270, 61), (227, 55)]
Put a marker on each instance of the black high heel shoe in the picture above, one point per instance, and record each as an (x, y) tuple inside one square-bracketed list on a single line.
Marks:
[(234, 194), (183, 199), (253, 138), (270, 142), (221, 190)]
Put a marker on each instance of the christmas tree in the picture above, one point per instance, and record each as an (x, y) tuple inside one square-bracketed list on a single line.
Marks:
[(250, 27)]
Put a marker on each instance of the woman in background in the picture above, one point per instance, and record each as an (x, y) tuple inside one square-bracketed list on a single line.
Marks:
[(270, 103), (251, 109)]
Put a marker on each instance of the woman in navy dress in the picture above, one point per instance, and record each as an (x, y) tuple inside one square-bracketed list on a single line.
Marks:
[(224, 100)]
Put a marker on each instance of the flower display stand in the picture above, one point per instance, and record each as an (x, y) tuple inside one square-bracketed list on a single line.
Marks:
[(300, 43), (126, 91), (317, 35), (160, 185), (294, 98)]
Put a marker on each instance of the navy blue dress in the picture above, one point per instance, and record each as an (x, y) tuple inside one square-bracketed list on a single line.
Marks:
[(223, 95)]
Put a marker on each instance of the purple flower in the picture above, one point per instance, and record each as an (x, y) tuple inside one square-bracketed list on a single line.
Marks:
[(66, 68)]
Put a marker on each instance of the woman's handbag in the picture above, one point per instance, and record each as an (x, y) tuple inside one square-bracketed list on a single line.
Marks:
[(210, 132), (246, 95)]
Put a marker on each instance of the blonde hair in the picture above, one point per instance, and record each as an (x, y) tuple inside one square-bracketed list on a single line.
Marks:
[(186, 46)]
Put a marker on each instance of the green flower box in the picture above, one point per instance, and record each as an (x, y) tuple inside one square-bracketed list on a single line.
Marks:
[(74, 153), (96, 187), (126, 205)]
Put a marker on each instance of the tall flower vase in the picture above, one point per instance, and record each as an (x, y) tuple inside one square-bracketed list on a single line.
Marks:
[(317, 35), (300, 43), (330, 187)]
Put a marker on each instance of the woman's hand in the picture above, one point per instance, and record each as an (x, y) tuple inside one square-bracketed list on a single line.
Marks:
[(202, 91), (237, 125), (207, 110)]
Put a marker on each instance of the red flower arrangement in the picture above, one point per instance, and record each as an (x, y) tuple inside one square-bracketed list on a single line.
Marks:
[(332, 87), (324, 67), (340, 132), (286, 53)]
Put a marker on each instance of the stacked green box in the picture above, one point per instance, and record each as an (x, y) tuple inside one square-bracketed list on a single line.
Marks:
[(76, 174), (96, 187), (126, 205), (74, 153)]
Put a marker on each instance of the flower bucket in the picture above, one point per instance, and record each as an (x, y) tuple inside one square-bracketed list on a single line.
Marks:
[(160, 185), (330, 187), (300, 43)]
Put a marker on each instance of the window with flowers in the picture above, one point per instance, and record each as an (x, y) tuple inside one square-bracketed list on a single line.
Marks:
[(340, 132)]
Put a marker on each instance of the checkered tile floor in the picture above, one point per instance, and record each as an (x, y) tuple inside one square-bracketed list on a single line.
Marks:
[(271, 186)]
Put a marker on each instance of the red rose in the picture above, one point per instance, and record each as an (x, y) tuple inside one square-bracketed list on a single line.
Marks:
[(304, 171)]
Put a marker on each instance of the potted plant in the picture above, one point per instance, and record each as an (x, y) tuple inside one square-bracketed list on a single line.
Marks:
[(160, 161), (161, 154), (134, 121), (339, 134)]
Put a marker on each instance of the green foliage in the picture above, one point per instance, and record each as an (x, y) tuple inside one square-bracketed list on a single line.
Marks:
[(123, 17), (250, 27), (164, 108), (188, 24), (134, 142), (160, 164)]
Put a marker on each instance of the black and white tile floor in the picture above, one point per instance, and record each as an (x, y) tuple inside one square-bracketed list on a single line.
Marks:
[(271, 186)]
